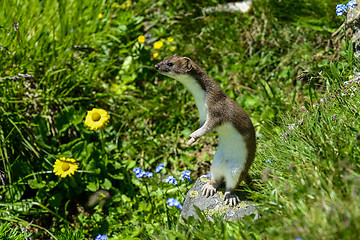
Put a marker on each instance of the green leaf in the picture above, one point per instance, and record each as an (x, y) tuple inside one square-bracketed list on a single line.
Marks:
[(34, 184), (67, 146), (335, 72), (106, 184), (92, 165), (93, 186), (350, 54), (268, 113), (67, 117), (118, 176), (186, 132), (15, 192), (126, 64), (77, 149)]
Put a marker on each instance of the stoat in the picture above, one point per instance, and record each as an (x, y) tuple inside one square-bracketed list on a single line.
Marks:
[(237, 144)]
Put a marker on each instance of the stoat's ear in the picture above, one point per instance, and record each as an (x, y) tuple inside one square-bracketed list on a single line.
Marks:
[(187, 65)]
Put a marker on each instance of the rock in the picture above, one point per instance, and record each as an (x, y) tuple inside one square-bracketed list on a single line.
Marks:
[(243, 7), (353, 25), (215, 203)]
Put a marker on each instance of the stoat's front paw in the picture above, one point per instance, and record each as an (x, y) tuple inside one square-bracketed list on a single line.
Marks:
[(192, 140), (231, 199), (208, 190)]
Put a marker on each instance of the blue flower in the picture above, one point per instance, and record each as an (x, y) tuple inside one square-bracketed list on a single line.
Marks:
[(137, 170), (171, 179), (173, 202), (351, 4), (159, 168), (101, 237), (340, 9), (140, 174), (269, 160), (149, 174), (185, 174)]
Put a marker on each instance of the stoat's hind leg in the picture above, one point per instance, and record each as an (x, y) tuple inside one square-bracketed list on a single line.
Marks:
[(209, 188), (233, 177), (231, 180)]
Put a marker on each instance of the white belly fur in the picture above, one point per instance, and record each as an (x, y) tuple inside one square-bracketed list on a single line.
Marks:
[(230, 157), (198, 94)]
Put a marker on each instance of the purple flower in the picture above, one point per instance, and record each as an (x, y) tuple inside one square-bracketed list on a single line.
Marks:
[(340, 9), (101, 237), (173, 202), (185, 175), (159, 168), (171, 179)]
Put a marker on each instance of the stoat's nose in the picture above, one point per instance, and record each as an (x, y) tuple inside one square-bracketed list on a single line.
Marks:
[(157, 66)]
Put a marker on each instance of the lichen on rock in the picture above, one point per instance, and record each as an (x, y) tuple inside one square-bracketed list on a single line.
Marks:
[(215, 204)]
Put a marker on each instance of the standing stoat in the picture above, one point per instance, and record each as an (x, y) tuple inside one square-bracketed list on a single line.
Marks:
[(217, 111)]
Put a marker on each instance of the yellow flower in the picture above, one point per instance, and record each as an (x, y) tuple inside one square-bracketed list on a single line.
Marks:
[(170, 39), (155, 55), (172, 48), (126, 4), (96, 118), (141, 39), (100, 15), (115, 5), (158, 44), (65, 167)]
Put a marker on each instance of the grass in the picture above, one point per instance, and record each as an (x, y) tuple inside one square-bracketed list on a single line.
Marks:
[(6, 232), (314, 183), (66, 57)]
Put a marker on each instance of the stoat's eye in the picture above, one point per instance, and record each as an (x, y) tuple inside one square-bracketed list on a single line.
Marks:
[(170, 64)]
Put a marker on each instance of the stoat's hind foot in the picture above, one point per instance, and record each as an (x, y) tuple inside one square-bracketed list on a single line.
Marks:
[(231, 199), (208, 190)]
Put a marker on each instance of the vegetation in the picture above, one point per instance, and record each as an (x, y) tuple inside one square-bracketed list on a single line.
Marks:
[(6, 232), (59, 60)]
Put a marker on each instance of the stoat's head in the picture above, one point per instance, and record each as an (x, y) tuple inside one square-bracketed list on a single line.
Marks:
[(174, 66)]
